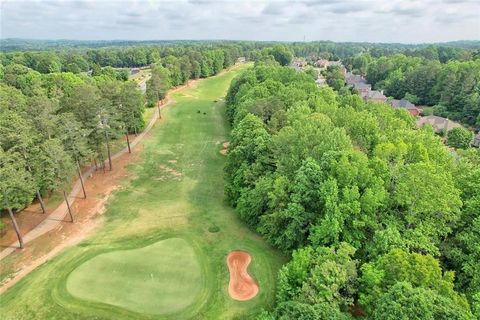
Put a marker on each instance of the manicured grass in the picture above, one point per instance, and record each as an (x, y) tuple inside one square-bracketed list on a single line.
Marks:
[(177, 192), (168, 281)]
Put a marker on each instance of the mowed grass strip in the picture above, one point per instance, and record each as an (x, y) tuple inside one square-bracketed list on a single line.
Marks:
[(162, 278), (176, 192)]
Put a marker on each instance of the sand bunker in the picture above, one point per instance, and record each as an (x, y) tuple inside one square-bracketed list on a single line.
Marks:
[(225, 147), (242, 286)]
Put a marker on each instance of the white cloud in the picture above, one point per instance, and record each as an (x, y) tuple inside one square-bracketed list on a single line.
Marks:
[(339, 20)]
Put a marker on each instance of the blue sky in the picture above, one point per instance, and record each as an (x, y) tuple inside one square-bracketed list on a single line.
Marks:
[(337, 20)]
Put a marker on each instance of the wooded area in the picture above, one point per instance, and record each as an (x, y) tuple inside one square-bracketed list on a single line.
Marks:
[(379, 216)]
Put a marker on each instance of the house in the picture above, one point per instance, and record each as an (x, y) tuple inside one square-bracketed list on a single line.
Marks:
[(321, 81), (321, 63), (352, 79), (363, 88), (405, 104), (241, 59), (438, 123), (298, 64), (377, 96), (476, 140)]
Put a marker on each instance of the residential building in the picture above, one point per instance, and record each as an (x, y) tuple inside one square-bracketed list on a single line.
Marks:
[(363, 88), (321, 63), (353, 79), (298, 64), (377, 96), (438, 123), (321, 81), (405, 104)]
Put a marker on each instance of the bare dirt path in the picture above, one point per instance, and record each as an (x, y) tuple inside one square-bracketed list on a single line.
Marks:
[(55, 233), (242, 286)]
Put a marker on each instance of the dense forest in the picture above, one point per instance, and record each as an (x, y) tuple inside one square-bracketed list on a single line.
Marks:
[(380, 219), (54, 117)]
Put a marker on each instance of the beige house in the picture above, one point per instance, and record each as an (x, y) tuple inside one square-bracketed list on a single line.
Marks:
[(438, 123)]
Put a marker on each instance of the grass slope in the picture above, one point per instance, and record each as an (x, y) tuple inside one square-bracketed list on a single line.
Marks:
[(177, 192)]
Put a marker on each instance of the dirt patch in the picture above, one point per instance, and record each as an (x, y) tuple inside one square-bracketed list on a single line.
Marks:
[(242, 286), (170, 171), (225, 145)]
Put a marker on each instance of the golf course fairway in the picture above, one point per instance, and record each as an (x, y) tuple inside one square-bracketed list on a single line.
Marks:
[(160, 249)]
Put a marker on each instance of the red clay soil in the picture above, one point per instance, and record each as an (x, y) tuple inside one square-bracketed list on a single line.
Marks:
[(242, 286)]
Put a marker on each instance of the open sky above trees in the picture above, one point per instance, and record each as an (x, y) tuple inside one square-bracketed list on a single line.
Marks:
[(337, 20)]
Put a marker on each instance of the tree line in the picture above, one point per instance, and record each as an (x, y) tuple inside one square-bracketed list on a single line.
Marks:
[(52, 123), (380, 219), (83, 60)]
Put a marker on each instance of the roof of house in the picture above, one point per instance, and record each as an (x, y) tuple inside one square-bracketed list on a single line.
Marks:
[(364, 94), (354, 78), (403, 103), (377, 95), (361, 86), (438, 123)]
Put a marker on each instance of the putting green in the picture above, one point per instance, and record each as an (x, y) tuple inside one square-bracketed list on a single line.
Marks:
[(162, 278)]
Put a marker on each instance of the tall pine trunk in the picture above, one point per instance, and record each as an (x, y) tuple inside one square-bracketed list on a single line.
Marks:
[(108, 150), (81, 181), (42, 204), (68, 206), (39, 196), (14, 221), (128, 141), (102, 163)]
